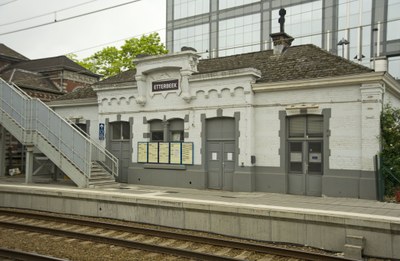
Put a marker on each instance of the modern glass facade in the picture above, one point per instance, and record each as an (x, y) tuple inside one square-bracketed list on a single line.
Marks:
[(368, 28)]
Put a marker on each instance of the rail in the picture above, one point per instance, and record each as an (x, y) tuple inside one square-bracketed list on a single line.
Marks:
[(242, 245), (32, 115), (110, 163)]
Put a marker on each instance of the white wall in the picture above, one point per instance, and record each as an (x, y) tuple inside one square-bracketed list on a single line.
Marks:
[(83, 113), (345, 141)]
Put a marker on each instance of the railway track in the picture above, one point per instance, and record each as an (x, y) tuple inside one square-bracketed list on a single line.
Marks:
[(181, 245), (10, 254)]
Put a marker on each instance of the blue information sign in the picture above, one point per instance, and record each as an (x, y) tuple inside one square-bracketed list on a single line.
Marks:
[(101, 131)]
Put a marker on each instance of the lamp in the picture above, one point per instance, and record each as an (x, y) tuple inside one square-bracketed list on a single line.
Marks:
[(343, 42)]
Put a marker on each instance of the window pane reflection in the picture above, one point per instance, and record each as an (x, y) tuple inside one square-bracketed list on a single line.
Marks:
[(239, 35), (224, 4), (303, 22), (186, 8), (194, 36)]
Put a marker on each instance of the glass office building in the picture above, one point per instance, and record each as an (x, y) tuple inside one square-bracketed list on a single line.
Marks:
[(358, 30)]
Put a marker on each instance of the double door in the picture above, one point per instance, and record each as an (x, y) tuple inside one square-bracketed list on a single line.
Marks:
[(221, 164), (305, 167)]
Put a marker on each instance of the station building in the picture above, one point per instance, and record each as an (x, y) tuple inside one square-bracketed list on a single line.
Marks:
[(295, 120)]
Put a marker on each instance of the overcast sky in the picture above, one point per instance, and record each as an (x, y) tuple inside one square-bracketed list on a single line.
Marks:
[(83, 35)]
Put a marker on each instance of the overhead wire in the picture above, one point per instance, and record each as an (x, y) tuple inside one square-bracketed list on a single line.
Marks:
[(182, 25), (9, 2), (46, 14), (69, 18)]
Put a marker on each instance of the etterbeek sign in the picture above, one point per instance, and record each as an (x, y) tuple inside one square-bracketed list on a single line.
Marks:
[(165, 86)]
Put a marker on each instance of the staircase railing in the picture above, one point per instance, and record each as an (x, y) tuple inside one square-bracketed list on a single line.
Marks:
[(33, 115), (110, 163)]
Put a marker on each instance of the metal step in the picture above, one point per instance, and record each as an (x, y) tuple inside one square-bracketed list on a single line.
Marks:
[(99, 178)]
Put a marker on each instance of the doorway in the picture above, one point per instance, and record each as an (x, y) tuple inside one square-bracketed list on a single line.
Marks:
[(305, 155), (221, 153)]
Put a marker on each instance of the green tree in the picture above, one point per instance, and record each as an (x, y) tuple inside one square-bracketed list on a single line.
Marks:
[(111, 61), (390, 156)]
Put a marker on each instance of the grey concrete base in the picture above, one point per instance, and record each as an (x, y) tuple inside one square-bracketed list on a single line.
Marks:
[(349, 186), (189, 178), (317, 228)]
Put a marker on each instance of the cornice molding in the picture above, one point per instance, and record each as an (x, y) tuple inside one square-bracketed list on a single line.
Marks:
[(383, 78)]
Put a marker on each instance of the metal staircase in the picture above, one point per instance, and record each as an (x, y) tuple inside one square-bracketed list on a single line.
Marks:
[(33, 123)]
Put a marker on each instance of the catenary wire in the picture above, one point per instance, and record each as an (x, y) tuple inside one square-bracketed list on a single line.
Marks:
[(69, 18), (191, 22), (46, 14), (9, 2)]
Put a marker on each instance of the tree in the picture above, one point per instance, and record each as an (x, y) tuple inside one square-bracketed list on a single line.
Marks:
[(111, 61), (390, 156)]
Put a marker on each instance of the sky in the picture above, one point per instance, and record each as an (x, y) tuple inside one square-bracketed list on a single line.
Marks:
[(83, 35)]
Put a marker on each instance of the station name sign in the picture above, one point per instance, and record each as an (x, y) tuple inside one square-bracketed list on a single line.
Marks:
[(165, 86)]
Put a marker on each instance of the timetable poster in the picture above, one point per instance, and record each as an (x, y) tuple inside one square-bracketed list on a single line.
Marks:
[(153, 152), (142, 152), (175, 153), (187, 153), (163, 152)]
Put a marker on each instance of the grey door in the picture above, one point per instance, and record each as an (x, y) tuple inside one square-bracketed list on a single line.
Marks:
[(120, 146), (305, 168), (221, 157), (221, 164), (121, 150)]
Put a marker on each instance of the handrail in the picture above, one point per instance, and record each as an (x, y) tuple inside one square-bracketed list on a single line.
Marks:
[(32, 114), (114, 160)]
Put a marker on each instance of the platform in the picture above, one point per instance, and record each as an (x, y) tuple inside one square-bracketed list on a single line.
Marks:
[(322, 222)]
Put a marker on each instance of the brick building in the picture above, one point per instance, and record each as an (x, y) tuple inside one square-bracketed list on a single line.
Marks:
[(45, 79)]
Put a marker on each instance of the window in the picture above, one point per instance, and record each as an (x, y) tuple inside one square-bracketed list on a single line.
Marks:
[(303, 22), (120, 130), (157, 130), (193, 36), (305, 144), (224, 4), (352, 15), (306, 126), (393, 33), (186, 8), (394, 66), (239, 35), (173, 127), (81, 127), (176, 130)]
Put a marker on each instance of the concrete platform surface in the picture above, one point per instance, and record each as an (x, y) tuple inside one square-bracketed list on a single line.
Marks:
[(321, 222)]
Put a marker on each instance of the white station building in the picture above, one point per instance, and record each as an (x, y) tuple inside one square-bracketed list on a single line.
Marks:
[(295, 120)]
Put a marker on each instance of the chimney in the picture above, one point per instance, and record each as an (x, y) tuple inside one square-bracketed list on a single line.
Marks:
[(281, 40)]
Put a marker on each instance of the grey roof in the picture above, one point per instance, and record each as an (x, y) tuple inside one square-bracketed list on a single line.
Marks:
[(53, 64), (30, 80), (81, 93), (10, 53), (127, 76), (297, 63)]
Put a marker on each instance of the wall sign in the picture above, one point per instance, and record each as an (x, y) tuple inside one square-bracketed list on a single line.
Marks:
[(142, 152), (166, 152), (152, 152), (101, 131), (175, 152), (165, 86)]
